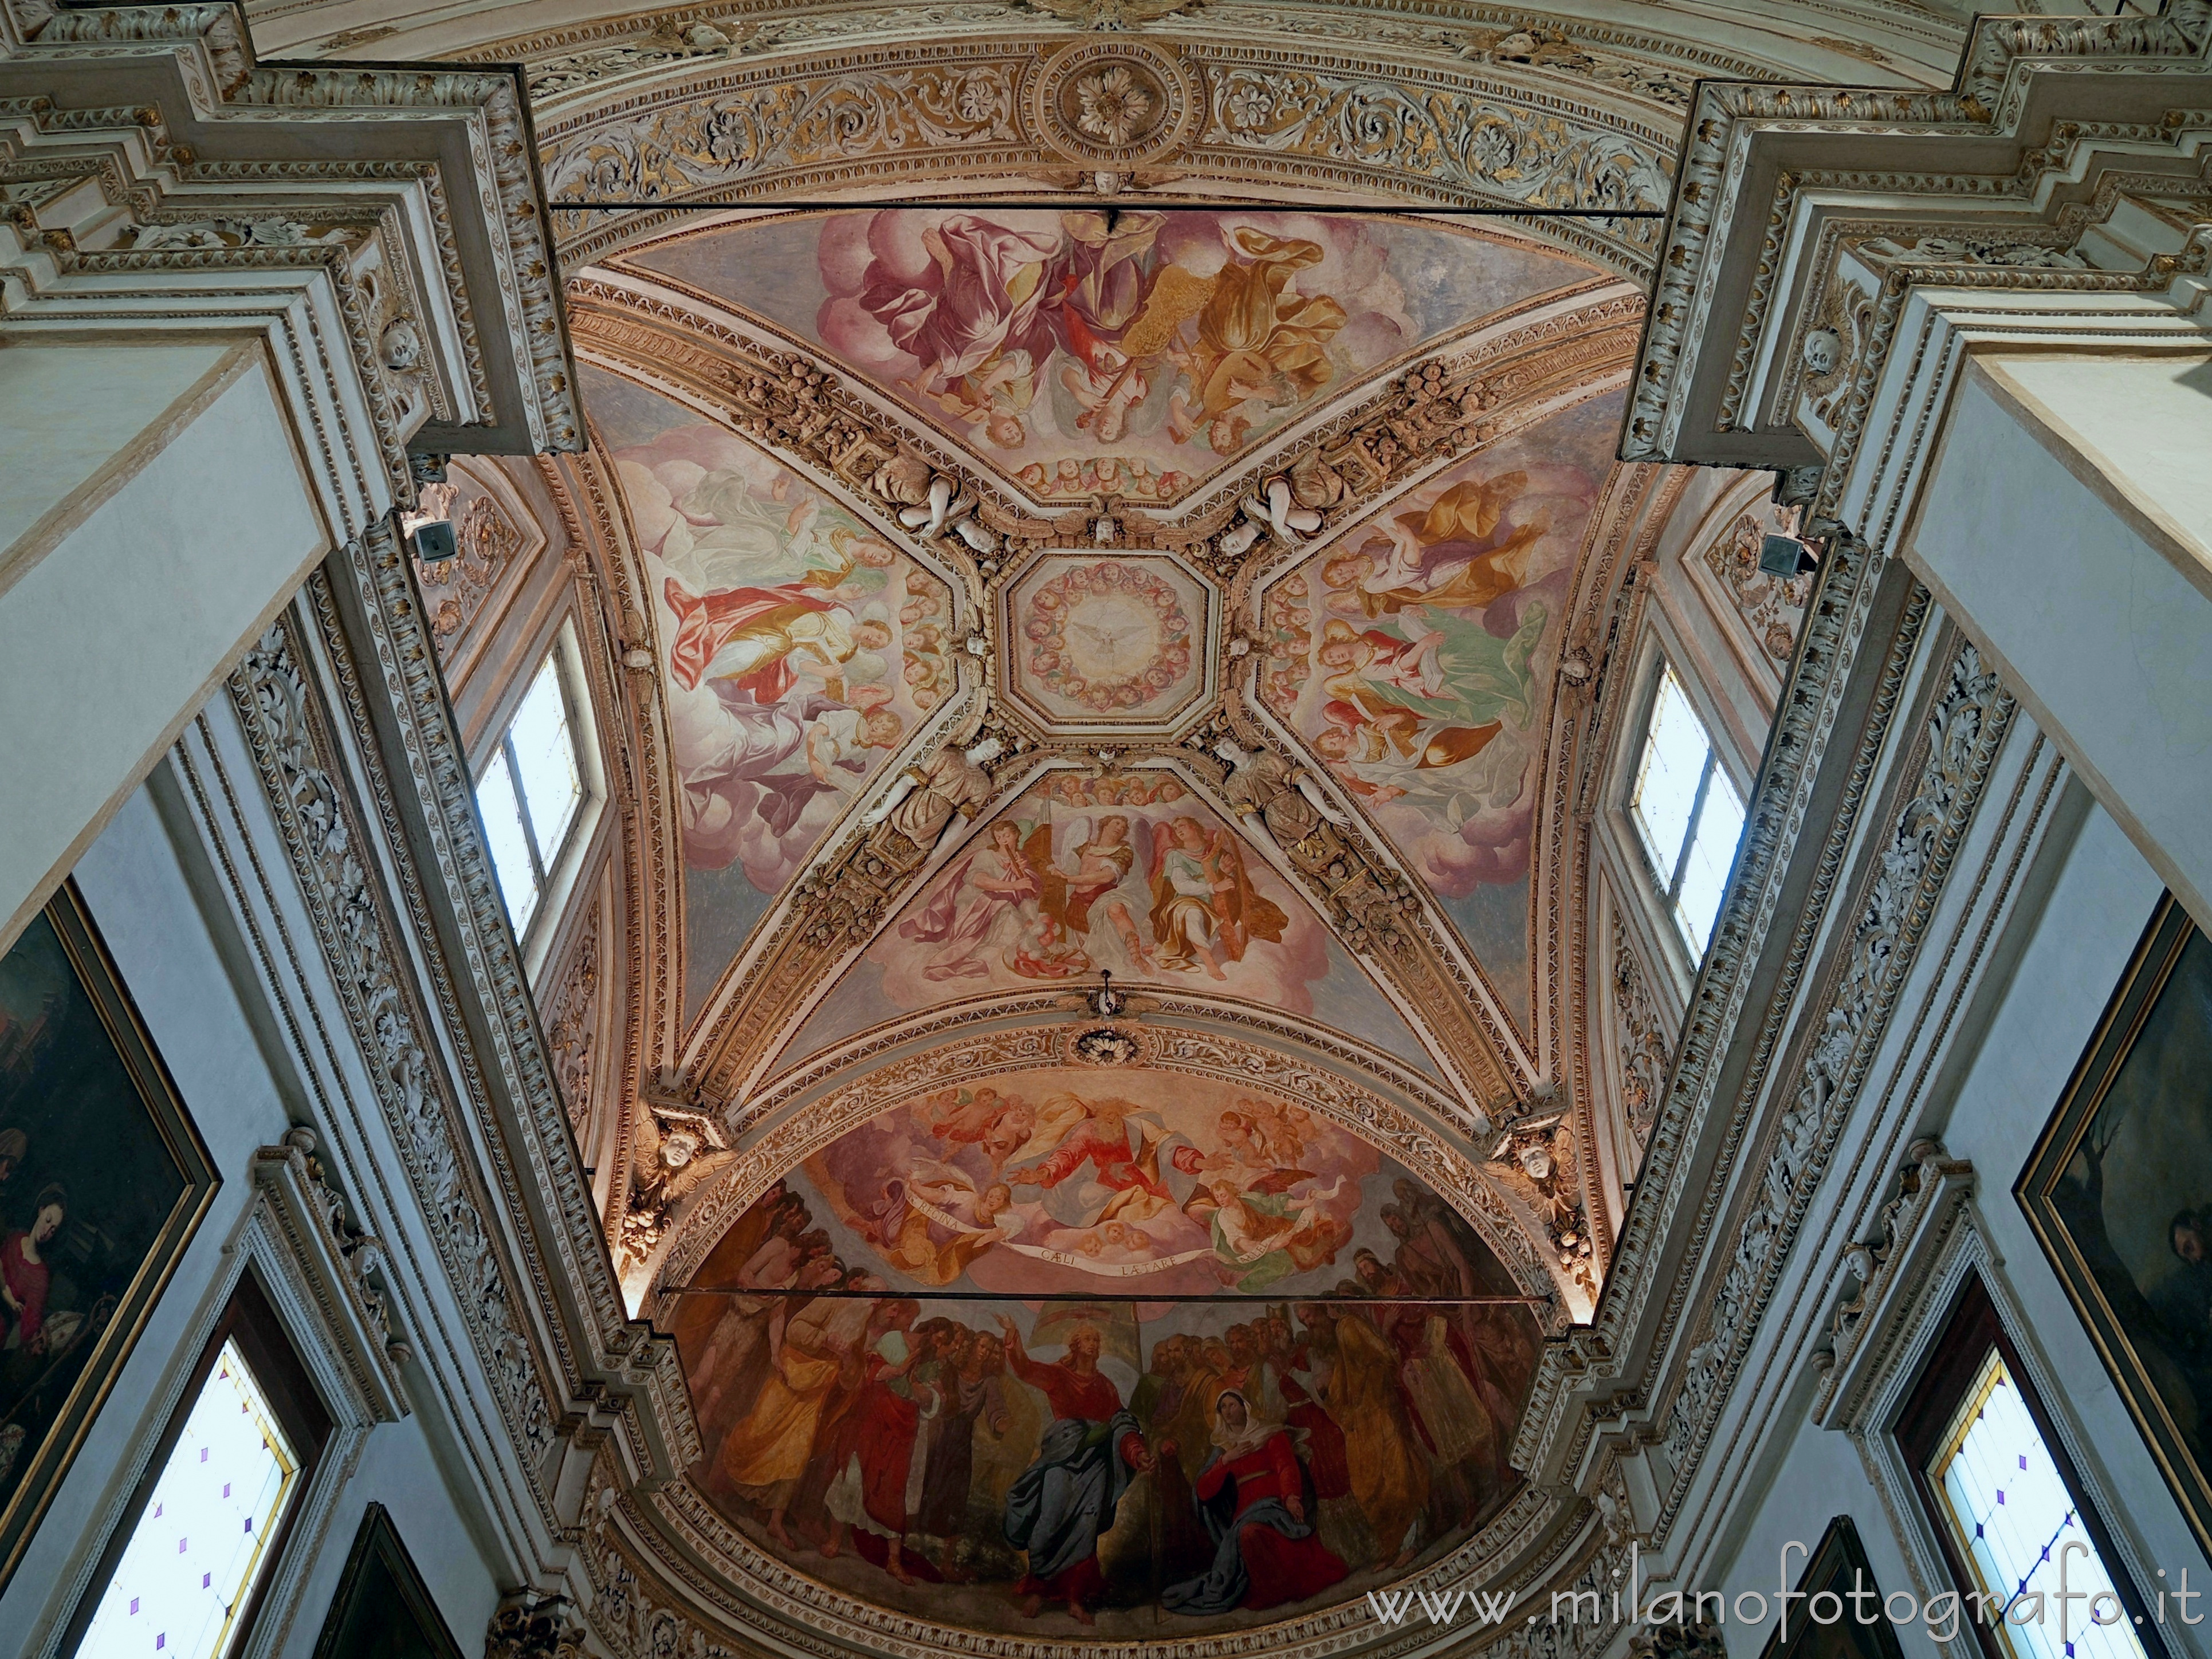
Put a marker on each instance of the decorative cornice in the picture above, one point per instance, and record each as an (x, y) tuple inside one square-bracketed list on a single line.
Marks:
[(1614, 1367), (433, 237), (324, 834), (341, 1265), (1942, 786), (1785, 192), (1882, 1275)]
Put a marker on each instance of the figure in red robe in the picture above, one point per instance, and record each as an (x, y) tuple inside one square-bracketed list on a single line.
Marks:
[(874, 1485), (25, 1274), (1254, 1496), (1101, 1140), (765, 625)]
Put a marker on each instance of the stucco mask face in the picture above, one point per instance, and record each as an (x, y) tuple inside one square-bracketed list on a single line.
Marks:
[(1824, 349)]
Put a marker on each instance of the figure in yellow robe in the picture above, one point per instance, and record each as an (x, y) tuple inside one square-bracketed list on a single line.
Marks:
[(1390, 1475), (766, 1453), (1253, 340)]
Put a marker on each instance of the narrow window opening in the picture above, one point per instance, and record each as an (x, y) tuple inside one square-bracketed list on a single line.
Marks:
[(532, 793), (1687, 814), (2004, 1501), (183, 1578)]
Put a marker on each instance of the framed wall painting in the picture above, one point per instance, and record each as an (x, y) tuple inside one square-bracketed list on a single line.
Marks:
[(1836, 1566), (2120, 1192), (382, 1609), (103, 1181)]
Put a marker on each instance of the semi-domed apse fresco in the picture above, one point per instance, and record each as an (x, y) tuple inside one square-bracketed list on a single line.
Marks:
[(1159, 1352)]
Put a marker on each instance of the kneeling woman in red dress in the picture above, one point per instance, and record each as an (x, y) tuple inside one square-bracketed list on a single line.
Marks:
[(1253, 1496)]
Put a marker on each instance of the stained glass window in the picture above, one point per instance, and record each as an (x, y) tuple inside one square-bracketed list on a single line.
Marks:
[(202, 1539), (1687, 813), (530, 794), (2012, 1516)]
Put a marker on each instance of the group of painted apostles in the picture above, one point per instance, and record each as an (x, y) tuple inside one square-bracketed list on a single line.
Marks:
[(1250, 1469)]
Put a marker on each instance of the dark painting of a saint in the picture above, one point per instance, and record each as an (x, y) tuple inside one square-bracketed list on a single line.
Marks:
[(101, 1179), (2120, 1191)]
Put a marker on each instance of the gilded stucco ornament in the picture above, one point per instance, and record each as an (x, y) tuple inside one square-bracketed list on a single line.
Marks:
[(1114, 102)]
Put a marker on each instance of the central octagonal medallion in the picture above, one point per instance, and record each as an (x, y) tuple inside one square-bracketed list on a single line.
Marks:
[(1109, 642)]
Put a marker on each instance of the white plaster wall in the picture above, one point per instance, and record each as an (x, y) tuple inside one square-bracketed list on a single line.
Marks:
[(2099, 620), (142, 896), (113, 639), (2145, 422), (70, 409), (1820, 1477), (2073, 953)]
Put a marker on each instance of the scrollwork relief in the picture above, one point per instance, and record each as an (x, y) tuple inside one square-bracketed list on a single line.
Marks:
[(1772, 608), (456, 589), (275, 701), (1960, 736), (1642, 1046)]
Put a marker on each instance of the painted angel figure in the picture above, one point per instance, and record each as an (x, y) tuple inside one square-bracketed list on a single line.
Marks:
[(1093, 893), (1460, 554), (986, 911), (935, 1220), (975, 320), (1204, 910), (748, 636)]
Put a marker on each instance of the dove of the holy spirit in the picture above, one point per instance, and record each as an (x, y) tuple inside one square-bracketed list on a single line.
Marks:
[(1112, 637)]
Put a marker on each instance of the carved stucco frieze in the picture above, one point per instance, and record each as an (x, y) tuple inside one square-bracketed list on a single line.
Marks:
[(1957, 743), (433, 148), (324, 834), (1452, 130), (1833, 239), (1641, 1043), (457, 589), (1771, 608), (572, 1018)]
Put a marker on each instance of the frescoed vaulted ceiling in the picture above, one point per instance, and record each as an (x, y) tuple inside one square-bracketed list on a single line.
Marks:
[(1256, 545), (1110, 665), (1113, 567)]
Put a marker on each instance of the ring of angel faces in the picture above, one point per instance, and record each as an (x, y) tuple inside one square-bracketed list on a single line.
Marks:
[(1096, 639), (1151, 1353)]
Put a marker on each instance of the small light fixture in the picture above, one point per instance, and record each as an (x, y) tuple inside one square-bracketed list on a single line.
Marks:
[(1785, 557), (432, 541)]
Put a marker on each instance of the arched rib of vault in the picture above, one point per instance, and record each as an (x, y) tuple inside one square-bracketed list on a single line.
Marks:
[(567, 48), (1347, 1082), (1272, 113), (587, 495), (1383, 1103)]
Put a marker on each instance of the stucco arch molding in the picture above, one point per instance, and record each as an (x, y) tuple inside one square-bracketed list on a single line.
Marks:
[(1382, 1103)]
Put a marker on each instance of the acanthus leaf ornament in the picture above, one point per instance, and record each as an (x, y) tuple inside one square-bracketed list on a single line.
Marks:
[(1114, 102)]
